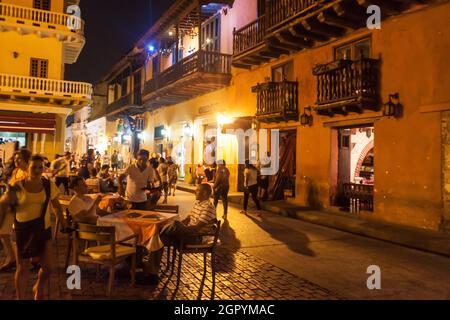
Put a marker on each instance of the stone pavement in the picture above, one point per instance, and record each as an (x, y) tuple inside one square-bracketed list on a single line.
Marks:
[(239, 276)]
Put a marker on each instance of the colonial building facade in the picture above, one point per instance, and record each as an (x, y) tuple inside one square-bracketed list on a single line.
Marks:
[(37, 39), (362, 113)]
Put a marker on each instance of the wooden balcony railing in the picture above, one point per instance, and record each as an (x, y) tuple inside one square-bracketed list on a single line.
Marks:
[(249, 36), (346, 79), (200, 61), (42, 86), (277, 100), (279, 11), (119, 103), (56, 19), (359, 196)]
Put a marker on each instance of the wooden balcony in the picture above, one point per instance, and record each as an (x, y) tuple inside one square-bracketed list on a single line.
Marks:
[(197, 74), (30, 90), (126, 105), (346, 86), (66, 28), (277, 101), (289, 26)]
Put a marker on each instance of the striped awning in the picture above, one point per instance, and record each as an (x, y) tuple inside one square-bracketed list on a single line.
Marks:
[(27, 122)]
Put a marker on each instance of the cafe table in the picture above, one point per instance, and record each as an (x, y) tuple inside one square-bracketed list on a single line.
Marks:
[(108, 200), (146, 224)]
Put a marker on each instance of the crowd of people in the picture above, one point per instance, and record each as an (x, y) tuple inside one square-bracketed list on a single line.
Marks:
[(32, 187)]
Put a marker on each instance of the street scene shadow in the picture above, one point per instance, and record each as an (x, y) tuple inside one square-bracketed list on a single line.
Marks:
[(229, 244), (295, 240)]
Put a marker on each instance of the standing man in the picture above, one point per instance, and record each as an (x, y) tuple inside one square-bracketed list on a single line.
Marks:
[(115, 161), (139, 176), (163, 169), (222, 186), (61, 170), (106, 160), (250, 186)]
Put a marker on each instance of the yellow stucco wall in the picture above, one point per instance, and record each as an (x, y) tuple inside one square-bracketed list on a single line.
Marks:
[(56, 5), (29, 46), (414, 51)]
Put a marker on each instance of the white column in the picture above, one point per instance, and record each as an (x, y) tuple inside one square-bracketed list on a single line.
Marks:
[(43, 136), (35, 139)]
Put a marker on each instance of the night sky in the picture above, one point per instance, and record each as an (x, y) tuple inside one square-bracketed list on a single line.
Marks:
[(112, 28)]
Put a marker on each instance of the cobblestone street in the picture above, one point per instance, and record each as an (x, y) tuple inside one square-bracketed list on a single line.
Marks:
[(239, 276), (272, 257)]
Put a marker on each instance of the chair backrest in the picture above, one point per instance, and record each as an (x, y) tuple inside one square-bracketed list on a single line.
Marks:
[(167, 209), (93, 185), (95, 233)]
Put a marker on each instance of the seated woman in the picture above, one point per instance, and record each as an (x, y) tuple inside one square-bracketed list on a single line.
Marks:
[(83, 208)]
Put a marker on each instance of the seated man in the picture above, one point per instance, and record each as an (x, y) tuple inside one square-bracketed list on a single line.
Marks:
[(106, 180), (202, 215), (83, 208)]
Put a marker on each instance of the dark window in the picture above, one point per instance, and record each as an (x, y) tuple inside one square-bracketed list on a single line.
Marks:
[(354, 51), (261, 7), (159, 133), (211, 34), (39, 68), (283, 72), (124, 86), (42, 4)]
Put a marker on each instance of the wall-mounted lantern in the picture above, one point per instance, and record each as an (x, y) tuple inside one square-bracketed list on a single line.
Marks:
[(392, 107), (306, 119)]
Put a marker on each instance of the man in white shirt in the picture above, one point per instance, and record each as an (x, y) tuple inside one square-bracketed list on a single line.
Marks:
[(163, 170), (139, 177), (202, 215), (106, 159), (83, 208)]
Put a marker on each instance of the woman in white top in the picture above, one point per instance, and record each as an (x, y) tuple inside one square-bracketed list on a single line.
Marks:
[(250, 185)]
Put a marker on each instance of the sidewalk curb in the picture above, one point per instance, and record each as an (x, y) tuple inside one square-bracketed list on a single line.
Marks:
[(424, 240)]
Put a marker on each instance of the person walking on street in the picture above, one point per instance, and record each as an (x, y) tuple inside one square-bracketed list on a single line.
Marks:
[(20, 162), (200, 173), (30, 199), (115, 161), (222, 186), (163, 170), (106, 159), (139, 177), (173, 176), (250, 186)]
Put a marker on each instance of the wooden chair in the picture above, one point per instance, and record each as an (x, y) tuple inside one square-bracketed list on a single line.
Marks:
[(167, 209), (93, 185), (107, 252), (183, 247)]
